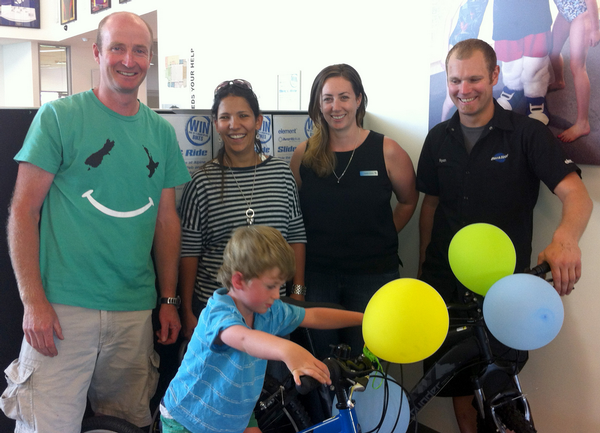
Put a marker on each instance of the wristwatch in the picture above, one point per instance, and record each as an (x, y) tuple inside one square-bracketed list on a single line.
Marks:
[(298, 289), (171, 301)]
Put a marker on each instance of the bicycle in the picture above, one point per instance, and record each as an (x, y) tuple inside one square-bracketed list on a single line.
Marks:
[(498, 409), (279, 410)]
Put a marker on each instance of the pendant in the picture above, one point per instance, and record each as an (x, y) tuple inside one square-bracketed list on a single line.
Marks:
[(250, 216)]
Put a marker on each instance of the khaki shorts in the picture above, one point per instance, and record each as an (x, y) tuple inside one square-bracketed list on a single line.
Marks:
[(107, 356)]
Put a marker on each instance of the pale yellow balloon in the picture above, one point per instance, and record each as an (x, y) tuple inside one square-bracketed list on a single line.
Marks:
[(405, 321)]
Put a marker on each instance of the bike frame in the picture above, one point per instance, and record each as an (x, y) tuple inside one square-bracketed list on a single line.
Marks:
[(458, 357), (344, 422), (469, 348)]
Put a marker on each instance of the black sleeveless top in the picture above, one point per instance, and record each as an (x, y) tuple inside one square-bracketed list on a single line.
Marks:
[(349, 225)]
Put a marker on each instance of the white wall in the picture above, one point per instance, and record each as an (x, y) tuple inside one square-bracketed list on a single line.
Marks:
[(82, 61), (20, 66)]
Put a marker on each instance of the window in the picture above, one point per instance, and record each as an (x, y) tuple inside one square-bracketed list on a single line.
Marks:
[(55, 76)]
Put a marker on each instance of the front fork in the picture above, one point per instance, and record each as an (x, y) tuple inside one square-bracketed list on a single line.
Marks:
[(500, 400)]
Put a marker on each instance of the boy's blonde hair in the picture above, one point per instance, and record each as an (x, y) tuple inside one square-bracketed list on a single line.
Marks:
[(253, 250)]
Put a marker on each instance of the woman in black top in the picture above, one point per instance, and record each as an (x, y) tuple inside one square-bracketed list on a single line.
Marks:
[(346, 176)]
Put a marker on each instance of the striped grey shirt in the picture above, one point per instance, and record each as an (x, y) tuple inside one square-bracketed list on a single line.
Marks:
[(210, 213)]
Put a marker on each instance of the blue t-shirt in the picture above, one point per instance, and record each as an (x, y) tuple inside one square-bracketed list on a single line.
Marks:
[(216, 386)]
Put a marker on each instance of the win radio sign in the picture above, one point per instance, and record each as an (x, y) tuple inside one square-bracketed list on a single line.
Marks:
[(197, 130)]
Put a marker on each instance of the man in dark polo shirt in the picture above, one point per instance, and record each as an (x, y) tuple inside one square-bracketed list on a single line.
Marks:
[(485, 165)]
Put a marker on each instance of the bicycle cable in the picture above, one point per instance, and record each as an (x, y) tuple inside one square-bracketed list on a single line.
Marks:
[(383, 374)]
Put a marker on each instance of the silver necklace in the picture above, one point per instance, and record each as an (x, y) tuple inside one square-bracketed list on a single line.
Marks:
[(249, 211), (349, 161)]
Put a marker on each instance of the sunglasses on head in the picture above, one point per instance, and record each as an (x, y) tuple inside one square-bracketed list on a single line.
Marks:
[(237, 82)]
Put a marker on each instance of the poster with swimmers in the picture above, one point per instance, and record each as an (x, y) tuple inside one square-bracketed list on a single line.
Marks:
[(540, 82)]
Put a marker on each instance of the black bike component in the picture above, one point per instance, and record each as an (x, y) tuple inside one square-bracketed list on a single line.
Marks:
[(341, 351), (307, 384), (278, 408), (506, 412), (108, 424), (514, 419), (539, 270)]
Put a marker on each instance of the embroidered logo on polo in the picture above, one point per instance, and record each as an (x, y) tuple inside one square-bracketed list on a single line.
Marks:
[(569, 161), (95, 160), (499, 157)]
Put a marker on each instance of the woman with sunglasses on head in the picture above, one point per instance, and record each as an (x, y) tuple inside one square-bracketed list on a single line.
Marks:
[(346, 176), (241, 186)]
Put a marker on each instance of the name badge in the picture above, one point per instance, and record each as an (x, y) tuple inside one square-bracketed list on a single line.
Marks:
[(369, 173)]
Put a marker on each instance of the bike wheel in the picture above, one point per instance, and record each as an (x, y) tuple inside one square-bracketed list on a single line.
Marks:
[(108, 424), (509, 416), (276, 417)]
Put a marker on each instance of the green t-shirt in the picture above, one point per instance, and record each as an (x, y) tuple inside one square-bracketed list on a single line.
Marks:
[(98, 219)]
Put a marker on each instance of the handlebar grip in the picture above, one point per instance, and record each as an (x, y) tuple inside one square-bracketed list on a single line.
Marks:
[(539, 270), (307, 384)]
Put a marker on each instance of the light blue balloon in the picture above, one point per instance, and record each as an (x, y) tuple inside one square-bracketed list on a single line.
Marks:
[(369, 407), (523, 311)]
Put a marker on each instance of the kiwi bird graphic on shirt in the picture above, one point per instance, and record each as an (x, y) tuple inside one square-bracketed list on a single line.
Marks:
[(96, 158)]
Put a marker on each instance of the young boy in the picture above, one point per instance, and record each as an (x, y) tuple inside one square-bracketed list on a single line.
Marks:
[(222, 373)]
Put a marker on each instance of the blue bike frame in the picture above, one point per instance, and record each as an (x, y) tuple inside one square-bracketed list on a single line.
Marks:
[(344, 422)]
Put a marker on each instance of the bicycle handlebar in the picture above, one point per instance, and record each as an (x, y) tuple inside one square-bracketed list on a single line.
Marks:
[(539, 270), (339, 369), (472, 303)]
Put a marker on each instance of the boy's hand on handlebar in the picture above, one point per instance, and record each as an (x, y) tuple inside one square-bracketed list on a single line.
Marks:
[(565, 264), (301, 363)]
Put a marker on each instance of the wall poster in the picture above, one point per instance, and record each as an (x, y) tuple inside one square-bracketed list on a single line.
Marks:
[(68, 11), (99, 5), (20, 13)]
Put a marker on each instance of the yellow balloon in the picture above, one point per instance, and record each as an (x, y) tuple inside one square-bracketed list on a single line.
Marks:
[(405, 321), (481, 254)]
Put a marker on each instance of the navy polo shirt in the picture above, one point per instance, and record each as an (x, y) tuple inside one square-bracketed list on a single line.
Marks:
[(497, 183)]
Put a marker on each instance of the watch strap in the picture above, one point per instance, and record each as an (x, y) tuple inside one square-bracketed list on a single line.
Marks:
[(298, 289), (171, 301)]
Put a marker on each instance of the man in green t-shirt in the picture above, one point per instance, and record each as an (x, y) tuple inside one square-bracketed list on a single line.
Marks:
[(95, 193)]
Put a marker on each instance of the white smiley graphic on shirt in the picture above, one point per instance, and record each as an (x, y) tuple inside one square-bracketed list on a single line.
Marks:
[(94, 160), (116, 213)]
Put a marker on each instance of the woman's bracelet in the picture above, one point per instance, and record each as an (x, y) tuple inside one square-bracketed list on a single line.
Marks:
[(298, 289)]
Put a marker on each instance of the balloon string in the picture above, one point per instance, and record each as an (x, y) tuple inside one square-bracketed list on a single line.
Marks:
[(375, 362)]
